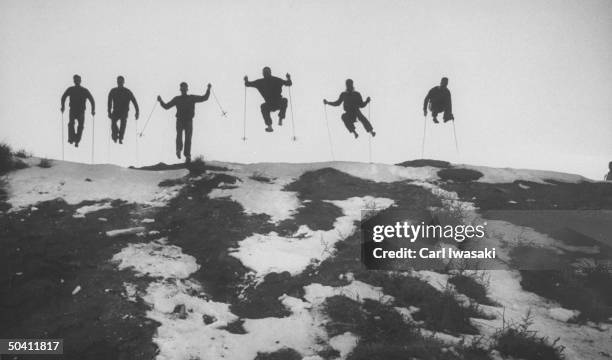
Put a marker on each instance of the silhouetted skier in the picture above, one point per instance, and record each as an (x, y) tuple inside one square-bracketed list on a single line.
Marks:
[(78, 95), (609, 176), (439, 100), (352, 103), (271, 88), (118, 107), (185, 110)]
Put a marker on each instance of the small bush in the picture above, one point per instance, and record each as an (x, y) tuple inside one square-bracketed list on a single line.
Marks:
[(18, 164), (171, 182), (22, 154), (587, 290), (45, 163), (197, 166), (472, 288), (345, 315), (6, 159), (520, 342), (384, 335), (440, 310), (459, 174), (235, 327), (261, 177)]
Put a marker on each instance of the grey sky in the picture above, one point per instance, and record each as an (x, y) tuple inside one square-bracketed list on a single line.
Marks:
[(531, 80)]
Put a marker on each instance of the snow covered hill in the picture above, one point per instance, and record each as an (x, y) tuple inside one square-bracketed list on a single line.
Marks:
[(262, 261)]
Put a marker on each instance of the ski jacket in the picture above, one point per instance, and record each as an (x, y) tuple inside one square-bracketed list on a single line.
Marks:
[(270, 88), (78, 95), (440, 100), (352, 101), (185, 105), (119, 101)]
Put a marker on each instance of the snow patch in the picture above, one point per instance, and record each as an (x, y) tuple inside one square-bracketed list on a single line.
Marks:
[(356, 290), (257, 197), (190, 337), (273, 253), (80, 212), (128, 231), (561, 314), (66, 180), (156, 259), (508, 175), (344, 343)]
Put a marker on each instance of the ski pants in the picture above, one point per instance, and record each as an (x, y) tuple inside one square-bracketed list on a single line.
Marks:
[(118, 131), (350, 118), (435, 111), (268, 107), (184, 126), (74, 136)]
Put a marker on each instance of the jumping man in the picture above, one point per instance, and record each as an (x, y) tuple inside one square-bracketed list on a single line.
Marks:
[(118, 107), (270, 88), (439, 100), (185, 110), (353, 102), (78, 95)]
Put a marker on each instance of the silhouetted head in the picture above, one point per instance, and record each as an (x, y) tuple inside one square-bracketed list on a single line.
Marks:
[(266, 72), (444, 82), (184, 88), (349, 85), (120, 81), (77, 80)]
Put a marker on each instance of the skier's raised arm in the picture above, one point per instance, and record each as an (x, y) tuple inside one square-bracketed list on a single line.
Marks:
[(164, 105), (335, 103), (248, 83), (205, 96), (288, 81)]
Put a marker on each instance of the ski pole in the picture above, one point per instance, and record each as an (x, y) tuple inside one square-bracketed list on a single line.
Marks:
[(292, 120), (245, 115), (93, 136), (455, 134), (370, 137), (149, 118), (424, 129), (62, 127), (136, 140), (223, 112), (331, 147), (108, 144)]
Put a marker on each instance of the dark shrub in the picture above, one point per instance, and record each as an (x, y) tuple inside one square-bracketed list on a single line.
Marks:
[(425, 162), (45, 163), (197, 166), (459, 174)]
